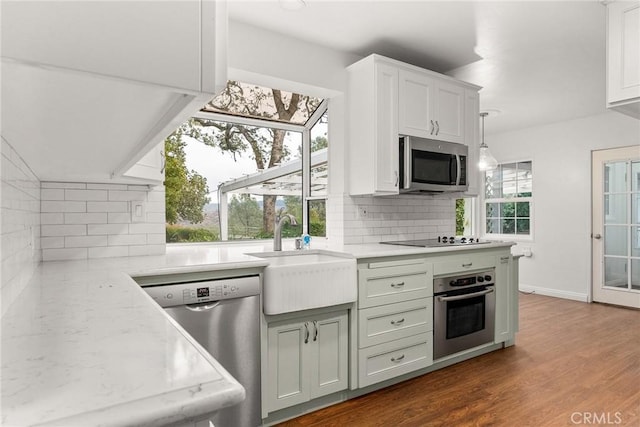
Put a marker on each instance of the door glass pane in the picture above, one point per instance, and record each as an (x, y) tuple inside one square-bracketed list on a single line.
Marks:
[(614, 177), (615, 209), (615, 272), (615, 242), (635, 274), (635, 241), (635, 176)]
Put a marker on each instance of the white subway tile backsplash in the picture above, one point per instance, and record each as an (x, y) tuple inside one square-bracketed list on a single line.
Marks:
[(94, 221), (85, 218), (52, 242), (52, 218), (126, 195), (52, 194), (64, 254), (63, 230), (85, 195), (84, 241), (93, 229), (128, 239), (108, 252), (107, 207), (63, 206)]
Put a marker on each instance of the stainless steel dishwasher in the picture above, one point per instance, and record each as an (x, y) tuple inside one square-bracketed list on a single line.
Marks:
[(223, 315)]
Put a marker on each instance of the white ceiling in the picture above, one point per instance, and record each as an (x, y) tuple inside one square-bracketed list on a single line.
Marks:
[(537, 61)]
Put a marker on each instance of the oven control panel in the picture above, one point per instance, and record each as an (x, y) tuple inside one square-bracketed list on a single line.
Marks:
[(461, 281)]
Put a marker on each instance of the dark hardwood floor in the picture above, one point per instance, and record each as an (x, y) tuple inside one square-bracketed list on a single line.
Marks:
[(573, 364)]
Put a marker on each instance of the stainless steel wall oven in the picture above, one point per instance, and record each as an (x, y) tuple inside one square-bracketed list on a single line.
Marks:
[(464, 312)]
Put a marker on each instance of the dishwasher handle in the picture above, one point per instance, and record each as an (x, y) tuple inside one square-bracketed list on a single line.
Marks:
[(205, 306)]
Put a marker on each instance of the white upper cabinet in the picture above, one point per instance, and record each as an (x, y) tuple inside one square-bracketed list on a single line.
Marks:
[(623, 57), (373, 127), (106, 82), (430, 108), (388, 98)]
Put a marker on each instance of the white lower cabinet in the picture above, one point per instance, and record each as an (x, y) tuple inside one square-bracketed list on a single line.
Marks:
[(506, 300), (308, 358)]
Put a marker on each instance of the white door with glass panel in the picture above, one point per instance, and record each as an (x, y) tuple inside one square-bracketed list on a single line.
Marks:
[(616, 226)]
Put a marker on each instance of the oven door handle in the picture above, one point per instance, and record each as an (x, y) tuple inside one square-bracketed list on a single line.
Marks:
[(466, 296)]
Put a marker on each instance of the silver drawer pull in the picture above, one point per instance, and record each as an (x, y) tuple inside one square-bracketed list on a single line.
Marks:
[(397, 322), (469, 264), (397, 285), (397, 359)]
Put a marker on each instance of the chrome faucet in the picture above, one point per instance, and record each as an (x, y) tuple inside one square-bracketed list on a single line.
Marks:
[(277, 232)]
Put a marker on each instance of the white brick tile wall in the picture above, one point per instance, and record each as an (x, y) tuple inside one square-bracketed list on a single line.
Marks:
[(389, 218), (20, 231), (94, 221)]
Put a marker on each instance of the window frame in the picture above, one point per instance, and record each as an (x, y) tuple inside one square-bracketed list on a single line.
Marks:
[(305, 130), (530, 199)]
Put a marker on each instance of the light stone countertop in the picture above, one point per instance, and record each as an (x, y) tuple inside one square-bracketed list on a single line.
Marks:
[(83, 344)]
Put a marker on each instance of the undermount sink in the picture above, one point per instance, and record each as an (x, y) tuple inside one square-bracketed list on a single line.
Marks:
[(301, 280)]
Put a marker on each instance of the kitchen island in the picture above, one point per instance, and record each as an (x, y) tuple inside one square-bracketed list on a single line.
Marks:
[(83, 344)]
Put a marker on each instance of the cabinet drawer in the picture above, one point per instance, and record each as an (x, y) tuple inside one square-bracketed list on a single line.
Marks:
[(388, 285), (462, 263), (377, 325), (389, 360)]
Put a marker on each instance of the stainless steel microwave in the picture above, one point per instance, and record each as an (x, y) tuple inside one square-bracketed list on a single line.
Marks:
[(427, 165)]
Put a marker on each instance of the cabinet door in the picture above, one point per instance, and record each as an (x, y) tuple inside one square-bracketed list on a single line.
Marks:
[(415, 115), (330, 356), (504, 300), (449, 112), (623, 51), (288, 364), (386, 135)]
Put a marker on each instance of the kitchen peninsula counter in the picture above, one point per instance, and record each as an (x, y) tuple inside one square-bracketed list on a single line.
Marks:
[(83, 344)]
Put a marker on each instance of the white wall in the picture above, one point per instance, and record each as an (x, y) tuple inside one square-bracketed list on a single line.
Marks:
[(86, 220), (20, 232), (561, 155)]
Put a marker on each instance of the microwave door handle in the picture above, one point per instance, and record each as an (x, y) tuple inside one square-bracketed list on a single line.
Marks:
[(406, 177), (458, 169)]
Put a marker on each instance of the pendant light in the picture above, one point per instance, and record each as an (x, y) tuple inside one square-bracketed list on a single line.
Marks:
[(486, 161)]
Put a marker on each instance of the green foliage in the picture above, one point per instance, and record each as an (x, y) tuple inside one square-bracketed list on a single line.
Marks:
[(245, 217), (460, 217), (177, 234), (186, 191)]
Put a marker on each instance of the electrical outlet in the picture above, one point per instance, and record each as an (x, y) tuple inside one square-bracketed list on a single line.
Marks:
[(138, 212), (362, 212)]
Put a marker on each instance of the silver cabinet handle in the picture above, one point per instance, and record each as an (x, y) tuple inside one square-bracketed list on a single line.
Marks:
[(433, 127), (397, 359), (469, 264), (306, 332), (437, 127), (597, 236), (202, 307), (315, 334), (466, 296), (397, 285), (397, 179), (397, 322)]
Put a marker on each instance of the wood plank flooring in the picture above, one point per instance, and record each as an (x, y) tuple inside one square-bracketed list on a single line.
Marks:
[(573, 364)]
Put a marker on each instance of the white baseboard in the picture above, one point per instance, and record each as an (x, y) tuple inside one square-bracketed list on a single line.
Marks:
[(554, 293)]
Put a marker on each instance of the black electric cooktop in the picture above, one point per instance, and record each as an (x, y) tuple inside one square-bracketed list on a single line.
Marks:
[(439, 242)]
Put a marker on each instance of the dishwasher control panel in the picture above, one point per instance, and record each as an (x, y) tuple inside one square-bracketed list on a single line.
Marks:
[(172, 294)]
